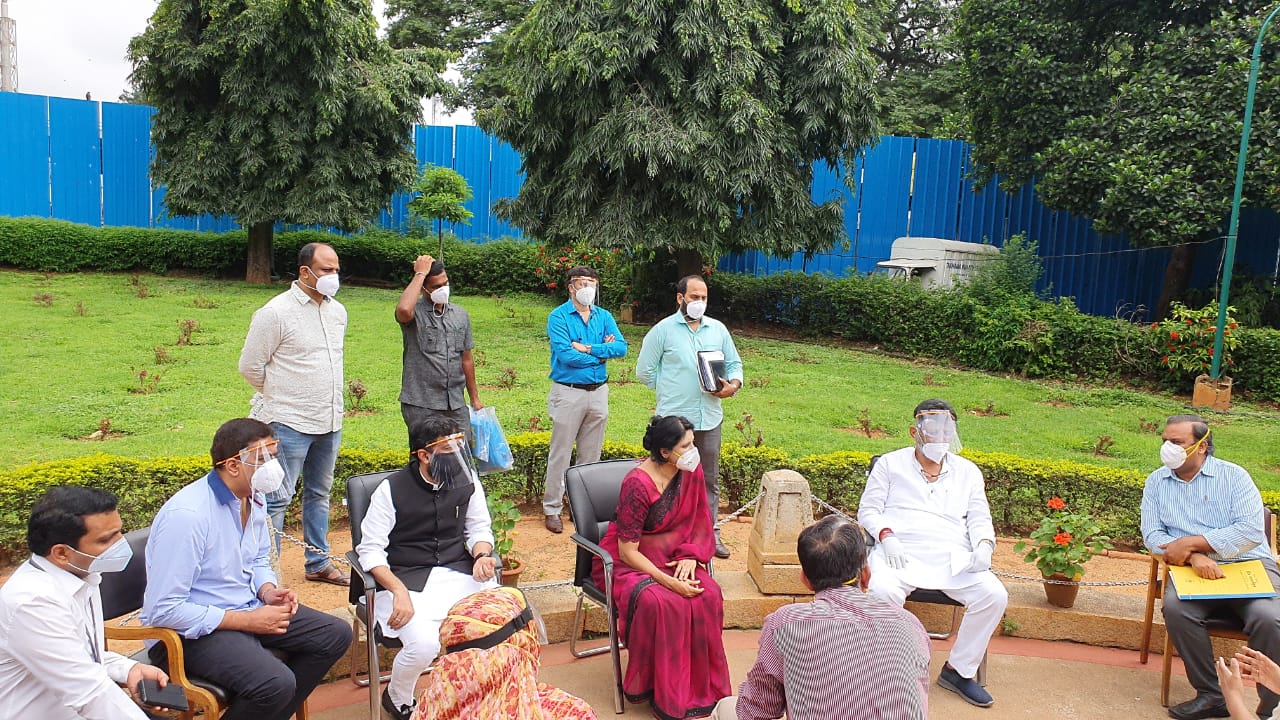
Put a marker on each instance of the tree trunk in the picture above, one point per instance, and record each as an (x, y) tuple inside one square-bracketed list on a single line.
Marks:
[(1177, 276), (688, 262), (257, 269)]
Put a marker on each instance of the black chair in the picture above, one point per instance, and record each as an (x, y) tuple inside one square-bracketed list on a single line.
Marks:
[(363, 588), (593, 500), (937, 597), (122, 595)]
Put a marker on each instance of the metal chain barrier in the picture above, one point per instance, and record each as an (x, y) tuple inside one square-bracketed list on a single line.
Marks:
[(1012, 576), (280, 534), (733, 515)]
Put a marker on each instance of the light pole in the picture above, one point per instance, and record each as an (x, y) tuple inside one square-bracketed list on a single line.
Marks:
[(1233, 228)]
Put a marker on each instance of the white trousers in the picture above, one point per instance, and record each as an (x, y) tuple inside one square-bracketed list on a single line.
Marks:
[(421, 635), (984, 603)]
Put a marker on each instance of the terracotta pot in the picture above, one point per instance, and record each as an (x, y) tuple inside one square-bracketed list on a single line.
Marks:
[(1063, 596), (511, 569)]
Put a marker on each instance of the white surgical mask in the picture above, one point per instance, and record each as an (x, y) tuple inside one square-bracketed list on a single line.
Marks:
[(935, 451), (328, 285), (1172, 455), (113, 559), (586, 294), (440, 295), (267, 477), (689, 459), (696, 309)]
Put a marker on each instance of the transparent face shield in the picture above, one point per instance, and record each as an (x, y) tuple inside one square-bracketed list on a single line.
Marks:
[(449, 461), (937, 428)]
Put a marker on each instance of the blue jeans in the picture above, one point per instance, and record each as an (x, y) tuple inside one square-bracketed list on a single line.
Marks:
[(313, 456)]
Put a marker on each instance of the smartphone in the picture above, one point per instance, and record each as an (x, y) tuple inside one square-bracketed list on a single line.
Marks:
[(170, 697)]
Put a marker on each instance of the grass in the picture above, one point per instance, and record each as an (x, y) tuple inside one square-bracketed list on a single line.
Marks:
[(74, 345)]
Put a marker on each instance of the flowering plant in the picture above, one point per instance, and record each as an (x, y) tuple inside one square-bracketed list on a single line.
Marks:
[(1185, 338), (1064, 542)]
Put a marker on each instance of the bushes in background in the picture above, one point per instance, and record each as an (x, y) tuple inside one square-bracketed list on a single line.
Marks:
[(1017, 488)]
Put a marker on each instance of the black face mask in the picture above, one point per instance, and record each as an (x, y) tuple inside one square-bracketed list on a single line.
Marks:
[(444, 471)]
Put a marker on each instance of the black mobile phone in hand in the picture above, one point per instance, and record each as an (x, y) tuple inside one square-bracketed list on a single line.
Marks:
[(170, 697)]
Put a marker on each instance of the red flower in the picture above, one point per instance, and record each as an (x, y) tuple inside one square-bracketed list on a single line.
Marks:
[(551, 285), (1056, 504), (1173, 335), (1233, 326), (1165, 360), (1062, 538), (1188, 321)]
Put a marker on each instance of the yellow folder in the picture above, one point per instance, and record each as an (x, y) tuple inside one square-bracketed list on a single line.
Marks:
[(1243, 580)]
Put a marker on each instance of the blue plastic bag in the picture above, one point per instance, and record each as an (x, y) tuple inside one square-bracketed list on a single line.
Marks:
[(490, 448)]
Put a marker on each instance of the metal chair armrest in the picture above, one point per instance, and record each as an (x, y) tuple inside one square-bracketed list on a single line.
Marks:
[(605, 558), (362, 582)]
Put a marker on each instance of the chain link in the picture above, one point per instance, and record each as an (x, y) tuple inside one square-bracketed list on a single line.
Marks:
[(280, 534), (731, 516)]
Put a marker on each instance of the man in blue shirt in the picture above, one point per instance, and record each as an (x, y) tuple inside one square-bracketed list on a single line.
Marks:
[(668, 363), (209, 578), (1203, 512), (583, 336)]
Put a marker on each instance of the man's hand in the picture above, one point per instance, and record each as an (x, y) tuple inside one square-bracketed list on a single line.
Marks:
[(609, 338), (728, 389), (423, 264), (980, 560), (1179, 551), (476, 404), (684, 569), (580, 347), (139, 672), (280, 596), (1205, 567), (401, 609), (894, 555), (268, 620), (484, 568)]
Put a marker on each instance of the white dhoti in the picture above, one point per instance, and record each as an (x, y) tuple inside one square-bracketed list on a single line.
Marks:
[(421, 635)]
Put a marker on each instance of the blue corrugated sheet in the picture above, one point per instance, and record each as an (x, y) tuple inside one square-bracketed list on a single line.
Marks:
[(126, 147), (24, 155)]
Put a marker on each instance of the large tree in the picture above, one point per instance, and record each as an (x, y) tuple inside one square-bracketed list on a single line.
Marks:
[(686, 124), (279, 110), (920, 82), (1127, 112)]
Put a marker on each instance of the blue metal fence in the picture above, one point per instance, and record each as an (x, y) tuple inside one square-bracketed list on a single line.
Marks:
[(87, 162)]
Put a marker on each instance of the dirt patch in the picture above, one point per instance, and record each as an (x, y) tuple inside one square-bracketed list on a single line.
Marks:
[(873, 433)]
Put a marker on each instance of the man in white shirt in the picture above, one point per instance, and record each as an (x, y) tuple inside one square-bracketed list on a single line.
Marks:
[(426, 539), (927, 508), (53, 661), (292, 357)]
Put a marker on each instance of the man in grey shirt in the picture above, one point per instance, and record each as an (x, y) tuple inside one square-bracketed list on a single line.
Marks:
[(437, 350), (292, 357)]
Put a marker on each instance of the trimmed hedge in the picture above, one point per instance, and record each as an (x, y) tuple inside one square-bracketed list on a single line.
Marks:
[(1017, 488)]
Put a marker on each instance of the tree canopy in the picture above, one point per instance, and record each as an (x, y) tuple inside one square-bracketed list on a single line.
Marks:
[(279, 110), (689, 125), (1128, 113), (920, 82)]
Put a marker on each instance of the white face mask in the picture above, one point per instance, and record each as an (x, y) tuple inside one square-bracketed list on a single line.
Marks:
[(1172, 455), (935, 451), (440, 295), (113, 559), (267, 477), (328, 285), (695, 310), (688, 461), (585, 295)]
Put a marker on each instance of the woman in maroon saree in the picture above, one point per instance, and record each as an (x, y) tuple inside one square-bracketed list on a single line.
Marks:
[(670, 610)]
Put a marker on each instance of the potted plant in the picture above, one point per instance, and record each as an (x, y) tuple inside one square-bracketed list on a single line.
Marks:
[(1060, 547), (503, 515)]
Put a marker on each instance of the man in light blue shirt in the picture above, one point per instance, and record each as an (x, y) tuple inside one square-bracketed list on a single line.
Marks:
[(209, 578), (668, 363), (583, 336), (1203, 512)]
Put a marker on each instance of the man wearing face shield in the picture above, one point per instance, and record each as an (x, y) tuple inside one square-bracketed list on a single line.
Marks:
[(668, 364), (1204, 512), (583, 336), (54, 664), (927, 509), (209, 578), (437, 362), (292, 357), (427, 540)]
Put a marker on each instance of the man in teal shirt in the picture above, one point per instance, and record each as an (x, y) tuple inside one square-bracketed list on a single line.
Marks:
[(668, 363)]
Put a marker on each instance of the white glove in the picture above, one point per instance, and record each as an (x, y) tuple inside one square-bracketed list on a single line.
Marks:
[(981, 559), (894, 555)]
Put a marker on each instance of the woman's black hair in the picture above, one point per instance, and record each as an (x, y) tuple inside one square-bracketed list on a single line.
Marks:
[(664, 433)]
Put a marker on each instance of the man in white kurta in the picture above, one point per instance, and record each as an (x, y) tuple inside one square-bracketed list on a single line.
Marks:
[(426, 539), (927, 508)]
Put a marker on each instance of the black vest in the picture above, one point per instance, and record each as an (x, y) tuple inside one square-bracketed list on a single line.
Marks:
[(429, 529)]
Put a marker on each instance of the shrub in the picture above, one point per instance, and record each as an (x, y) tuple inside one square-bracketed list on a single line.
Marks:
[(1185, 340)]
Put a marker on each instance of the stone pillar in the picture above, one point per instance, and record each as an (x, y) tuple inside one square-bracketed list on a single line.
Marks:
[(785, 510)]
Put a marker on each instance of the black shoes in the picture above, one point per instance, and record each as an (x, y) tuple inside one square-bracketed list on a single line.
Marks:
[(401, 713), (722, 550), (967, 688), (1202, 706)]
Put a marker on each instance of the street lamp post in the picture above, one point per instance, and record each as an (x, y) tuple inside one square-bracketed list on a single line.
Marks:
[(1233, 228)]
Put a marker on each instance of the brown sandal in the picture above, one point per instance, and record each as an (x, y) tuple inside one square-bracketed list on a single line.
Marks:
[(331, 575)]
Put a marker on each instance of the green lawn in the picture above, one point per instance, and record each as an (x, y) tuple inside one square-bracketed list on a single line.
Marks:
[(63, 371)]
